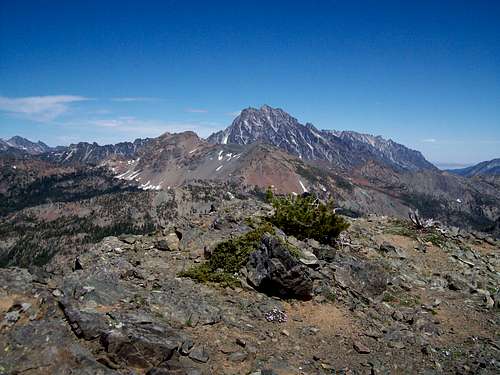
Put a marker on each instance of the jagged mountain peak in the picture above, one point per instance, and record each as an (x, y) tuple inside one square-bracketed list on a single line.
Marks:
[(343, 149), (25, 146)]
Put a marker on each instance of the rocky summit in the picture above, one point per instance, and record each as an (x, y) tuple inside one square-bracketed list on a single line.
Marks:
[(386, 297)]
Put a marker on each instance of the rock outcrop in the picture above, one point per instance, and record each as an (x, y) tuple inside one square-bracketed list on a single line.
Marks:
[(387, 298)]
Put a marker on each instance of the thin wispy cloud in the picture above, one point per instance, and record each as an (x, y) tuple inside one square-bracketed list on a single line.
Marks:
[(462, 142), (196, 110), (135, 99), (150, 127), (39, 108)]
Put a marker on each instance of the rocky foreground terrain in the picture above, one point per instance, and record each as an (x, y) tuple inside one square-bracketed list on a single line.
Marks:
[(388, 298)]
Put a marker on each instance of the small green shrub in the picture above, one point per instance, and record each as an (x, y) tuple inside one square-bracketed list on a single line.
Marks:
[(405, 228), (435, 238), (305, 217), (388, 297), (292, 249), (228, 258)]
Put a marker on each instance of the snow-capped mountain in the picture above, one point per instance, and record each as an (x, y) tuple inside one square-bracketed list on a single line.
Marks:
[(24, 145), (491, 167), (381, 149), (276, 127), (93, 153), (342, 148)]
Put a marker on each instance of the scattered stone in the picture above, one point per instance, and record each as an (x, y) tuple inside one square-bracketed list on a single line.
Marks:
[(456, 283), (128, 239), (241, 342), (361, 348), (267, 372), (89, 325), (386, 247), (12, 316), (308, 258), (186, 347), (199, 354), (421, 247), (141, 345), (168, 243), (489, 302), (238, 356), (396, 344)]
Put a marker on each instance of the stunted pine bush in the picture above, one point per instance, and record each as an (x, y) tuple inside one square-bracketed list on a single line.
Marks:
[(306, 217)]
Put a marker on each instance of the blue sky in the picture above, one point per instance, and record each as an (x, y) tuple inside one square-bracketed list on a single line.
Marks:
[(424, 73)]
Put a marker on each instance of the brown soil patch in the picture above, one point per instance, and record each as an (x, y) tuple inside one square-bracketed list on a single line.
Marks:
[(459, 324), (329, 317), (6, 303)]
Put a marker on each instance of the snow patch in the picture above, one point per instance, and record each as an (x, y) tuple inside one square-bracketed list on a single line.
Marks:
[(149, 186), (69, 155), (317, 135), (129, 175), (302, 186), (219, 168)]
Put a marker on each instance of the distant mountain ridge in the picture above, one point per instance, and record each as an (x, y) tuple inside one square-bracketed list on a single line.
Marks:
[(82, 152), (23, 145), (93, 153), (344, 149), (490, 167), (366, 175)]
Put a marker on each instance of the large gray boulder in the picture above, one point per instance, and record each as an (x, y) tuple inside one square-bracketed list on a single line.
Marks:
[(274, 271), (141, 346)]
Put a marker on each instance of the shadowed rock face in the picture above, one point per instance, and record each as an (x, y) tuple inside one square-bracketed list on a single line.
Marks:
[(274, 271)]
